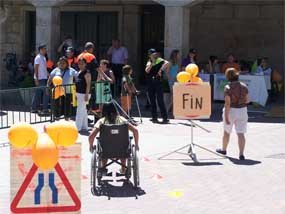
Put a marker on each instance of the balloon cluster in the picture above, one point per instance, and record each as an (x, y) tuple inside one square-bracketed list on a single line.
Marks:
[(58, 91), (45, 152), (189, 75)]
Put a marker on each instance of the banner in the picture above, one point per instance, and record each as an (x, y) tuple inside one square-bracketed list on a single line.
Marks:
[(192, 100)]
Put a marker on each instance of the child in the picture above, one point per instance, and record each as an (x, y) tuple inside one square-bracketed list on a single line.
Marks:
[(105, 79), (128, 89)]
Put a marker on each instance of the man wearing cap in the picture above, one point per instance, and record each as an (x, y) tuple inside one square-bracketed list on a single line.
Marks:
[(72, 60), (90, 58), (191, 58), (40, 78), (154, 70)]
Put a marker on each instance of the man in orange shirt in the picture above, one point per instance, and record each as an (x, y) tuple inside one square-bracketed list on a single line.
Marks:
[(90, 58), (230, 64)]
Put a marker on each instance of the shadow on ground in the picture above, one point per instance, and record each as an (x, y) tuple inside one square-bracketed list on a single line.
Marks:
[(202, 163), (127, 190), (246, 162)]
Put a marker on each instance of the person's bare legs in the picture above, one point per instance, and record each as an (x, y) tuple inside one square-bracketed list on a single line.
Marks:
[(226, 139), (241, 143), (123, 162)]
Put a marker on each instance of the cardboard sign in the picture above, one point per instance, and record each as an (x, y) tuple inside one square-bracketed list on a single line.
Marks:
[(191, 100), (52, 191)]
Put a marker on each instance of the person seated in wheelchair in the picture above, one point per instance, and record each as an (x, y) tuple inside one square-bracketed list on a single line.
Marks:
[(111, 116)]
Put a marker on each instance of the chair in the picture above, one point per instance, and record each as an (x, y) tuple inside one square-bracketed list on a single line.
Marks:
[(114, 143)]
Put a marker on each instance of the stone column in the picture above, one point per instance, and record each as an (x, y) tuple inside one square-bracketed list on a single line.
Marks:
[(132, 36), (48, 28), (3, 17), (177, 29)]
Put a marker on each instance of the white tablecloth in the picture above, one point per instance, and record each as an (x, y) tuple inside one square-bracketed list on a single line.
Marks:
[(257, 86)]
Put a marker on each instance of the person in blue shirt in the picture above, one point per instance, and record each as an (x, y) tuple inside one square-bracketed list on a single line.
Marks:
[(62, 105), (174, 68)]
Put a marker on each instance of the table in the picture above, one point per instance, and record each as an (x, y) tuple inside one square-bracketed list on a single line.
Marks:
[(257, 86)]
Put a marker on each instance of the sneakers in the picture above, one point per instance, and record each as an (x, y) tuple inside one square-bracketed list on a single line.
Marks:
[(220, 151), (241, 157), (165, 121), (154, 120)]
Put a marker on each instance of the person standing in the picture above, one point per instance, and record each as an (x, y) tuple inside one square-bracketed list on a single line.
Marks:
[(119, 57), (83, 86), (128, 89), (40, 78), (63, 103), (191, 58), (105, 80), (90, 59), (71, 58), (68, 42), (172, 73), (235, 111), (154, 70)]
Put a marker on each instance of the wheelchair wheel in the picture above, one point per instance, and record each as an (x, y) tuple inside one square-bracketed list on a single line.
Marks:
[(93, 171), (129, 169), (136, 176)]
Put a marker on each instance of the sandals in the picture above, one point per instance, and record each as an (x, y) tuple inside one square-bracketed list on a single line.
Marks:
[(220, 151)]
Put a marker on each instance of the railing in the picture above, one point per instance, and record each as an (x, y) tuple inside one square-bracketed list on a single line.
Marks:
[(16, 104)]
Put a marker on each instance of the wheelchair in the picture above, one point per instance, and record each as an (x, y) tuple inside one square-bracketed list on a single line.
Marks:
[(113, 144)]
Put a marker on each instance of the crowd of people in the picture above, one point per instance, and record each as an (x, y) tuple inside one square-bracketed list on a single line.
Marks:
[(113, 77)]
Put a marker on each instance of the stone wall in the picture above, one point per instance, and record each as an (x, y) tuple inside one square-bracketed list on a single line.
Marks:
[(247, 29), (12, 38)]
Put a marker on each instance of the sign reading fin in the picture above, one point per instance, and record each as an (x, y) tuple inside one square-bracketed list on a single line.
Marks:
[(192, 100)]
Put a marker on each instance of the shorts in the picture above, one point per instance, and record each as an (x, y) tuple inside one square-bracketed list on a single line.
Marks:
[(238, 117), (103, 93)]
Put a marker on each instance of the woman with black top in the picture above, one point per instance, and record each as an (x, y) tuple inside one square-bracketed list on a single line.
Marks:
[(154, 70), (83, 85)]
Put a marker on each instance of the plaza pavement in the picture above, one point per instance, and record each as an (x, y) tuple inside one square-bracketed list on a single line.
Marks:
[(177, 185)]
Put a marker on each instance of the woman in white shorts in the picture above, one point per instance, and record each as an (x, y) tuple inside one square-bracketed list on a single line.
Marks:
[(235, 111)]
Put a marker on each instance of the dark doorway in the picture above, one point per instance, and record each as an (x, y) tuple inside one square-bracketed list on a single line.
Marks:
[(30, 33), (152, 31), (97, 27)]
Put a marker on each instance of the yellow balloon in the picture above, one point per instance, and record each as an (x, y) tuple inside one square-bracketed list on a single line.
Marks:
[(58, 92), (45, 153), (183, 77), (57, 80), (192, 69), (62, 133), (22, 135), (196, 79)]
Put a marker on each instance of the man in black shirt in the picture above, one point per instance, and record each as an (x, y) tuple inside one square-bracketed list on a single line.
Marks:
[(154, 70)]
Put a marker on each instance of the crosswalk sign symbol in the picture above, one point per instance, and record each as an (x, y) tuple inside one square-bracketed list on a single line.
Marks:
[(50, 208)]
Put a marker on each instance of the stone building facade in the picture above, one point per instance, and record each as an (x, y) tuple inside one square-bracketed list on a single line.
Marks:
[(247, 28)]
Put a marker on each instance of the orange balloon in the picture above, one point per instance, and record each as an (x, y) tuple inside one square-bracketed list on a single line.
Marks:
[(183, 77), (58, 92), (192, 69), (22, 135), (63, 133), (196, 79), (45, 153), (57, 80)]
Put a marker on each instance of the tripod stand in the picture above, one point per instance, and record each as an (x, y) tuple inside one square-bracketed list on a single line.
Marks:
[(191, 150)]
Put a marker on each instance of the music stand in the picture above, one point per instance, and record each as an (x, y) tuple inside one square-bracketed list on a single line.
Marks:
[(191, 150)]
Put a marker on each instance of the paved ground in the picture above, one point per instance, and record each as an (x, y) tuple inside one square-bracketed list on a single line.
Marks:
[(177, 185)]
